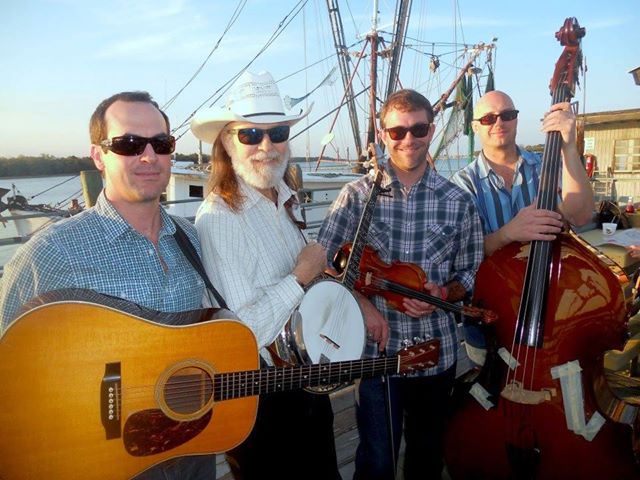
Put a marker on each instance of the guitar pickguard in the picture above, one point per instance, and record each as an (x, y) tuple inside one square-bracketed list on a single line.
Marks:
[(150, 432)]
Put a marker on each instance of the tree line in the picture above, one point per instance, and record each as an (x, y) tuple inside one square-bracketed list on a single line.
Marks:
[(46, 165)]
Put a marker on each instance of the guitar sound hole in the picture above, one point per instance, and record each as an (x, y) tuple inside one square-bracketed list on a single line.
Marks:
[(188, 390)]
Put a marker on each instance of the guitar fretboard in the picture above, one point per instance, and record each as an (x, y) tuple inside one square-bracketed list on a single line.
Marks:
[(277, 379)]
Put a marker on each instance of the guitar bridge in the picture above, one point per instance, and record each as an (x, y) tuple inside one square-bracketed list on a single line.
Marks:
[(110, 396)]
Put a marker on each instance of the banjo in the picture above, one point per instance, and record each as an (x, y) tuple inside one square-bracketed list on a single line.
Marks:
[(328, 325)]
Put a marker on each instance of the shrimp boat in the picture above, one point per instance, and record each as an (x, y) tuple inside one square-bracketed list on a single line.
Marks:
[(448, 74), (29, 218)]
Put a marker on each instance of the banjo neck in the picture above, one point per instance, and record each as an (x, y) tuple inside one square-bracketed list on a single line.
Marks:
[(352, 270)]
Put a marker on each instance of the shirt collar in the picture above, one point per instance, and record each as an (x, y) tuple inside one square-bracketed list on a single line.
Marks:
[(114, 225), (390, 179), (484, 168), (253, 196)]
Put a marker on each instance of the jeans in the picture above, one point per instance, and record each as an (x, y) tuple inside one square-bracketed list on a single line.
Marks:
[(291, 440), (422, 403)]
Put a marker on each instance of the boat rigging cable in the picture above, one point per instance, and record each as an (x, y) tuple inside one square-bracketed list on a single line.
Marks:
[(54, 186), (284, 23), (234, 17)]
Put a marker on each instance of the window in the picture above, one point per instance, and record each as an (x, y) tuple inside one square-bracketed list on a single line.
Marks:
[(195, 191), (627, 155)]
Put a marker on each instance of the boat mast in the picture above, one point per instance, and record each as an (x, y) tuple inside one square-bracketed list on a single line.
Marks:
[(343, 62), (403, 10), (373, 39)]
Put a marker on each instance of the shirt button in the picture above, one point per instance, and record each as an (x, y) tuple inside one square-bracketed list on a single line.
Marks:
[(150, 251)]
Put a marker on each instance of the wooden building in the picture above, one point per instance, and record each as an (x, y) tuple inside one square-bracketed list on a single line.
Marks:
[(613, 140)]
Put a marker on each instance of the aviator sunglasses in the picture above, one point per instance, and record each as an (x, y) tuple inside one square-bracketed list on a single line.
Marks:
[(129, 145), (491, 118), (254, 136), (419, 130)]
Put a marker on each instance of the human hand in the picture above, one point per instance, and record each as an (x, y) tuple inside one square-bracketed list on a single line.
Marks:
[(532, 223), (417, 308), (561, 119), (377, 326), (311, 262), (634, 251)]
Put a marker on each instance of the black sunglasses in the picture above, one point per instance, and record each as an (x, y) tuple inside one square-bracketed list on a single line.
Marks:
[(491, 118), (254, 136), (129, 145), (419, 130)]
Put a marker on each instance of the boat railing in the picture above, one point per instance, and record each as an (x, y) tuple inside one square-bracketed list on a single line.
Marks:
[(312, 212)]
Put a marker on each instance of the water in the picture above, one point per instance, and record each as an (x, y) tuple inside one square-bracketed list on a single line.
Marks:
[(58, 190), (33, 189)]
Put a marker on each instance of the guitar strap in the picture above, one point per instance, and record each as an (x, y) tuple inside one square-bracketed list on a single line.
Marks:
[(191, 254)]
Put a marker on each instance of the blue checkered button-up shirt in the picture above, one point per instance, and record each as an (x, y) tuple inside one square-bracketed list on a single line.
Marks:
[(496, 205), (434, 225), (98, 250)]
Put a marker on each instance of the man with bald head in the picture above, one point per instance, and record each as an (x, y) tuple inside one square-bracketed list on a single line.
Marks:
[(504, 178)]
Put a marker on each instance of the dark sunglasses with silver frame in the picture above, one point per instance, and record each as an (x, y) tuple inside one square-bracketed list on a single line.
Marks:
[(130, 145), (419, 130), (254, 136), (491, 118)]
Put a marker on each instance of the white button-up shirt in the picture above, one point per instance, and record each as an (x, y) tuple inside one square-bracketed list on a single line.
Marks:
[(249, 256)]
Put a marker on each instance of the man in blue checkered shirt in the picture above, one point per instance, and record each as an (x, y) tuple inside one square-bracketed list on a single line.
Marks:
[(427, 221), (122, 247)]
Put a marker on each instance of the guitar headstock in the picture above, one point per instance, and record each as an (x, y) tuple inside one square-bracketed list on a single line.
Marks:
[(419, 357)]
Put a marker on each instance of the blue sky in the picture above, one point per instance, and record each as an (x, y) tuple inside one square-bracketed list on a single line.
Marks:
[(60, 58)]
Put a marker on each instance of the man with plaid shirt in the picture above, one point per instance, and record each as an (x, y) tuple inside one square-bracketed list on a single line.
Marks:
[(427, 221)]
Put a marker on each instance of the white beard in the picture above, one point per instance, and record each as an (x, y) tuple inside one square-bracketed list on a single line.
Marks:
[(257, 174)]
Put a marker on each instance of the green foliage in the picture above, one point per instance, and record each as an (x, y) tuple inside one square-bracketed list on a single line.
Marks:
[(535, 148), (193, 157), (43, 165)]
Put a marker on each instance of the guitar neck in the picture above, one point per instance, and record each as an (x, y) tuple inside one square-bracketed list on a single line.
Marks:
[(232, 385)]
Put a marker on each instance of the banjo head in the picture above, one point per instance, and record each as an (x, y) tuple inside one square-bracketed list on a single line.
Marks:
[(329, 325)]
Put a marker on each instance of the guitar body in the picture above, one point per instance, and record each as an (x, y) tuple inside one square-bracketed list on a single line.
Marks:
[(87, 392)]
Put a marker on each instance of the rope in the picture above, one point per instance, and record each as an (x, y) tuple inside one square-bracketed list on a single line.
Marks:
[(51, 188)]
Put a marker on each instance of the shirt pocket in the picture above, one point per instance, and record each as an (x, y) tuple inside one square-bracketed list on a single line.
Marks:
[(378, 237), (440, 243)]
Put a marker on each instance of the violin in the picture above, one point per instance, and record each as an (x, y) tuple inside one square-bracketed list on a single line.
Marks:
[(400, 280)]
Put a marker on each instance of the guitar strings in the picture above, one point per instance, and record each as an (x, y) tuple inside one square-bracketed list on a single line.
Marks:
[(252, 382)]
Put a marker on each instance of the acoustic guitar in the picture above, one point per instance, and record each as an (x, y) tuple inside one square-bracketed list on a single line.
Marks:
[(91, 392)]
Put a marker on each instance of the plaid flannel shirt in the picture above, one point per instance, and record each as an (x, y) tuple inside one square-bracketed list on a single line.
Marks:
[(433, 224)]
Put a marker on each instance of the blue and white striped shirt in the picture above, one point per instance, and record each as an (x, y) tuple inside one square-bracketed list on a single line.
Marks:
[(434, 225), (497, 206), (98, 250)]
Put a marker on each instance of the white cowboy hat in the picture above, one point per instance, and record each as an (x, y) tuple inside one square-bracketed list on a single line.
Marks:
[(253, 98)]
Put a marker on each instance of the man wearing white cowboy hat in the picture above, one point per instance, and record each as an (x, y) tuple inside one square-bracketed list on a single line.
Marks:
[(257, 257)]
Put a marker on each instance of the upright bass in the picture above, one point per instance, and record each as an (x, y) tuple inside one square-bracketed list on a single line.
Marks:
[(560, 309)]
